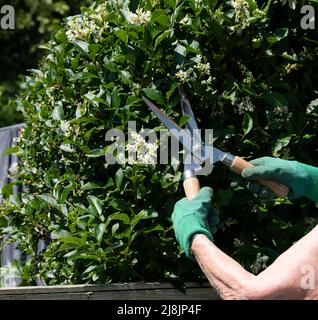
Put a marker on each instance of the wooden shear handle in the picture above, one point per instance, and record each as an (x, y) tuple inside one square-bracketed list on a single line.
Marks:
[(191, 187), (278, 188)]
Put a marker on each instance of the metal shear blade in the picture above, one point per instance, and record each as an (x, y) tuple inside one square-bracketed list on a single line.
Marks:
[(189, 138)]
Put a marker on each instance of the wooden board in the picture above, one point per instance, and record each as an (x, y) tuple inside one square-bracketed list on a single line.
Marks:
[(116, 291)]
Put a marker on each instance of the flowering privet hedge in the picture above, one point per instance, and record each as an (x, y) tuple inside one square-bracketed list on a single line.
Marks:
[(248, 70), (35, 20)]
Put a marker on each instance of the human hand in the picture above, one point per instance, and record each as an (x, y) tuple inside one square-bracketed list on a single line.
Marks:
[(194, 216), (302, 179)]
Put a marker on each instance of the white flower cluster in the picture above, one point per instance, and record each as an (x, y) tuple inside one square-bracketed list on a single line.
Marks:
[(289, 68), (50, 92), (283, 113), (241, 9), (135, 89), (260, 263), (154, 2), (207, 81), (81, 27), (238, 4), (245, 105), (183, 75), (227, 224), (19, 139), (238, 243), (141, 17), (65, 126), (100, 12), (185, 20), (146, 152), (203, 68), (218, 15)]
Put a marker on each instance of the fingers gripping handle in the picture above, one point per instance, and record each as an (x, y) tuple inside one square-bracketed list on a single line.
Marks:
[(191, 187), (279, 189)]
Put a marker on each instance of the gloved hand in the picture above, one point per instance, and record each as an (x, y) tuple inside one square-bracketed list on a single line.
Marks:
[(194, 216), (302, 179)]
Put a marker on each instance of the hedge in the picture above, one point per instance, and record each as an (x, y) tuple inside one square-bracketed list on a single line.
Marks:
[(20, 48), (248, 70)]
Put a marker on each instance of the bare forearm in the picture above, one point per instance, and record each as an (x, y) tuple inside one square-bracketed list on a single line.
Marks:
[(224, 273), (286, 278)]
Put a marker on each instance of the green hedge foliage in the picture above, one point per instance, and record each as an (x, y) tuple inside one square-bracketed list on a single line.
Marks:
[(19, 49), (249, 72)]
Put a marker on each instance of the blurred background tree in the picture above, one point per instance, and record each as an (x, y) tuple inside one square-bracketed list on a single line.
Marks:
[(20, 49)]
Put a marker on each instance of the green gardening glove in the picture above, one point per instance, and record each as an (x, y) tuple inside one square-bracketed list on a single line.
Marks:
[(194, 216), (302, 179)]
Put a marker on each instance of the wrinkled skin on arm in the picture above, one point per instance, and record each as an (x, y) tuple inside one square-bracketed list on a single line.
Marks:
[(291, 276)]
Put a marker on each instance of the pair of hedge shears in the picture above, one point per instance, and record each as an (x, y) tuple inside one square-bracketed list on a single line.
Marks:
[(198, 153)]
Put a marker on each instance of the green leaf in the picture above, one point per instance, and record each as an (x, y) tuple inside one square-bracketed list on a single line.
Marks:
[(110, 65), (11, 150), (155, 95), (7, 190), (281, 143), (119, 177), (144, 214), (164, 35), (184, 119), (278, 35), (67, 148), (15, 200), (73, 240), (96, 204), (290, 57), (82, 45), (122, 35), (58, 113), (3, 222), (79, 111), (99, 232), (83, 76), (60, 35), (60, 234), (96, 153), (171, 3), (160, 16), (89, 269), (92, 186), (292, 4), (312, 108), (252, 4), (48, 199), (180, 53), (115, 227), (115, 98), (247, 124), (120, 205), (154, 229), (275, 99), (120, 216), (65, 193)]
